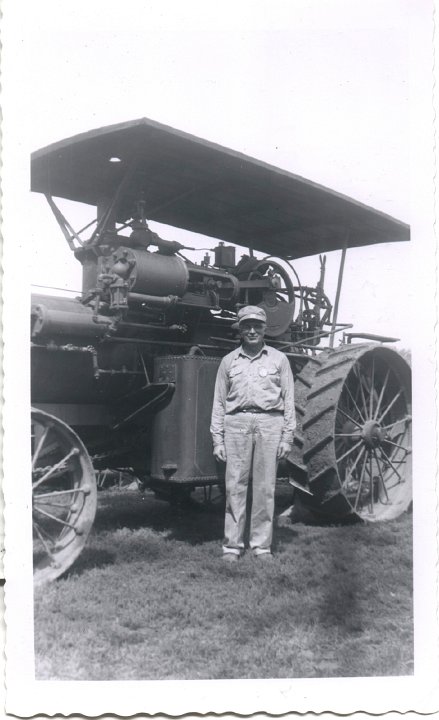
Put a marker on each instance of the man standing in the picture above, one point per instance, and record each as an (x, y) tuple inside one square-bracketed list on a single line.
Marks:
[(253, 420)]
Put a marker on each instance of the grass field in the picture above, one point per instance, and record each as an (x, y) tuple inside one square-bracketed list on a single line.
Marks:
[(150, 598)]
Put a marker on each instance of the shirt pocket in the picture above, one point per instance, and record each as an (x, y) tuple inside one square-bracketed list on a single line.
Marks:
[(235, 372), (273, 375)]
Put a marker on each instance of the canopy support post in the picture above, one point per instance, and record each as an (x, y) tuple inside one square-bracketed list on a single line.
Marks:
[(338, 293), (108, 213), (65, 226)]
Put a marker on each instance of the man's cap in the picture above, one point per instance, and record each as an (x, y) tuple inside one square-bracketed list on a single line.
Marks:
[(251, 312)]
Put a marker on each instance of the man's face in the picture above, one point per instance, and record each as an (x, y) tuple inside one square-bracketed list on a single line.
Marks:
[(252, 332)]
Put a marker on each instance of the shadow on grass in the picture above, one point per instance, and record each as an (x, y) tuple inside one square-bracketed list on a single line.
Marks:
[(340, 604), (187, 521), (90, 558), (348, 597), (283, 537)]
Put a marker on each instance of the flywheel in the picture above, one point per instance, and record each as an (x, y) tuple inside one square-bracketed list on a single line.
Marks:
[(354, 426)]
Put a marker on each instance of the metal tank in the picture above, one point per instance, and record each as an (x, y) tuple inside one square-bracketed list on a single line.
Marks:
[(181, 441)]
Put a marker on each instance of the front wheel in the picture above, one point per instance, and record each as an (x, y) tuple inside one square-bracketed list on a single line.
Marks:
[(64, 496)]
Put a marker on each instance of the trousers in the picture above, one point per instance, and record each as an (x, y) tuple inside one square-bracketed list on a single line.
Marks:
[(251, 442)]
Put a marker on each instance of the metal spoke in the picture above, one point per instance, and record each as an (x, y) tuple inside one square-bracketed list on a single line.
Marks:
[(354, 464), (41, 442), (345, 435), (395, 484), (56, 519), (41, 500), (46, 547), (355, 404), (360, 378), (381, 474), (387, 459), (55, 493), (349, 417), (348, 452), (54, 468), (390, 406), (372, 385), (380, 399), (360, 482), (370, 481), (357, 392), (49, 448), (406, 419), (46, 533), (56, 474), (406, 450)]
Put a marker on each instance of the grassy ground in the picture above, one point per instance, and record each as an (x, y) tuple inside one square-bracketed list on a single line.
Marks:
[(150, 598)]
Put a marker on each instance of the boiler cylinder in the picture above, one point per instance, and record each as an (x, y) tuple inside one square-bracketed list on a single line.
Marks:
[(60, 317), (151, 273)]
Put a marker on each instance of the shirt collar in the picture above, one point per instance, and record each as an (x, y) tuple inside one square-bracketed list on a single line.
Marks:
[(242, 352)]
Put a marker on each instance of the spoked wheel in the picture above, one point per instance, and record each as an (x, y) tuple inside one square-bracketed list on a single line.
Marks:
[(63, 496), (357, 433)]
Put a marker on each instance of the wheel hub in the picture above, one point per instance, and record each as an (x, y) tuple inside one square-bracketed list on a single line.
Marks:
[(372, 434)]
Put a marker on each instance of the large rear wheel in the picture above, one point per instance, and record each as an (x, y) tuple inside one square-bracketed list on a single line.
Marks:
[(64, 496), (357, 433)]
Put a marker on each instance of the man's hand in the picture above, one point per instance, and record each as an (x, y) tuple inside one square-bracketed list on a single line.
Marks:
[(283, 450), (219, 453)]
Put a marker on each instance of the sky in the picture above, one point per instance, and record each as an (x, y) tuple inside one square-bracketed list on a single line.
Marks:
[(326, 90)]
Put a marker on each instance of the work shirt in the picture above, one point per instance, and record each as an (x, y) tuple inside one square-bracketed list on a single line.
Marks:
[(263, 382)]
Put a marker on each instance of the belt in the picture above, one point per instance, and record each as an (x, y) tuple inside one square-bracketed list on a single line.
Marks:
[(256, 411)]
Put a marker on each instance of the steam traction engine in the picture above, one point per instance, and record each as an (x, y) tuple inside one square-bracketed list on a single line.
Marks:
[(123, 376)]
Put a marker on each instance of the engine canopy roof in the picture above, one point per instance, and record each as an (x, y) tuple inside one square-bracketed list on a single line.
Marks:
[(199, 186)]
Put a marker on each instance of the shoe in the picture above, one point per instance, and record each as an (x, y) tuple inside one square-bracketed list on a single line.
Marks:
[(230, 557), (264, 556)]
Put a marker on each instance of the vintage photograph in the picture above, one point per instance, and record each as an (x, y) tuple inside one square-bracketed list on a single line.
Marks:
[(227, 257)]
